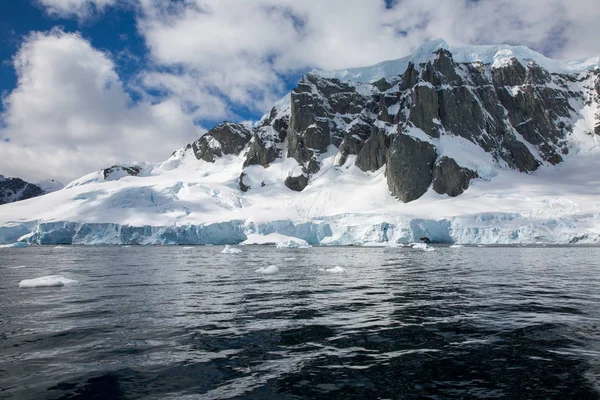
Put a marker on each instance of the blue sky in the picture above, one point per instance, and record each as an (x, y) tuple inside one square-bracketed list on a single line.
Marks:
[(109, 81)]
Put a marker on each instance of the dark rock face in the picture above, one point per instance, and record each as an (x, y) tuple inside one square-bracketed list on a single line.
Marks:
[(425, 109), (296, 183), (449, 178), (16, 189), (225, 138), (243, 186), (132, 170), (373, 154), (261, 152), (409, 168)]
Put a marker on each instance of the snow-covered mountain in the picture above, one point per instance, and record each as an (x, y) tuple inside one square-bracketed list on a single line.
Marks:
[(486, 144), (16, 189)]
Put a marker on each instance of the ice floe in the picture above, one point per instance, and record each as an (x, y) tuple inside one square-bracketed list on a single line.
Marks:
[(270, 270), (335, 270), (423, 246), (230, 250), (46, 281)]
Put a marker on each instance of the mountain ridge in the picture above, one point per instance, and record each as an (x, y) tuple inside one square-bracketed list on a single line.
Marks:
[(16, 189)]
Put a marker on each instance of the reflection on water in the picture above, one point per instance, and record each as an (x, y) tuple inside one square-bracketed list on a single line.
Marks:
[(172, 322)]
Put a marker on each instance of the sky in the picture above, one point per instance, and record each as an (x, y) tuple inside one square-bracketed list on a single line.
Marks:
[(86, 84)]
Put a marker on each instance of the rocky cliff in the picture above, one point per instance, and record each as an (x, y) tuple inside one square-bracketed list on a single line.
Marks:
[(516, 105)]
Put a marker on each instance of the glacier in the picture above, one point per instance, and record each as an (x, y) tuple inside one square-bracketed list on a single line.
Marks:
[(189, 201)]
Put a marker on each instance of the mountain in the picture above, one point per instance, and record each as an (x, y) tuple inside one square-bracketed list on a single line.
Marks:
[(484, 144), (16, 189)]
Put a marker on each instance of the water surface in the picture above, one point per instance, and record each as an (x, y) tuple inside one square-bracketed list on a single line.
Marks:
[(190, 322)]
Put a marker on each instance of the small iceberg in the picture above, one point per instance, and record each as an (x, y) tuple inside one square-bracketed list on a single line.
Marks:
[(270, 270), (230, 250), (335, 270), (293, 244), (423, 246), (46, 281), (13, 245)]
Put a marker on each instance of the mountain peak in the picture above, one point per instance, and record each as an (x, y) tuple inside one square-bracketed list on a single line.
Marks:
[(495, 55)]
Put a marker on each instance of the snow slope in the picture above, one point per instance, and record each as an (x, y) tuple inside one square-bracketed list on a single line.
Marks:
[(201, 204), (189, 201)]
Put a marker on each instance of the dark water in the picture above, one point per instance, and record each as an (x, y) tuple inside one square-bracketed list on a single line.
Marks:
[(187, 323)]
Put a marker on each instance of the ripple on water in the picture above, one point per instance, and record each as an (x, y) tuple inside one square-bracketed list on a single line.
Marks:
[(167, 322)]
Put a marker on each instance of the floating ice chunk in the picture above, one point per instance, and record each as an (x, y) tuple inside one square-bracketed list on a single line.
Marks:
[(126, 246), (230, 250), (456, 246), (18, 267), (59, 247), (271, 269), (423, 246), (16, 245), (335, 270), (293, 244), (46, 281), (290, 259)]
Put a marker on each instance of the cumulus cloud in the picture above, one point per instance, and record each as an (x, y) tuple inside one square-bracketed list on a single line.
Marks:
[(70, 115), (244, 50), (81, 9)]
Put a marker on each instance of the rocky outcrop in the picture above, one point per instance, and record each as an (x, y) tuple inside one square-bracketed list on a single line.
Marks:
[(449, 178), (296, 183), (224, 139), (315, 102), (16, 189), (243, 186), (409, 168), (118, 171)]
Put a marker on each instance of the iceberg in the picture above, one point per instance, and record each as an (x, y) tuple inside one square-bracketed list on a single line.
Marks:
[(270, 270), (423, 246), (335, 270), (46, 281), (230, 250)]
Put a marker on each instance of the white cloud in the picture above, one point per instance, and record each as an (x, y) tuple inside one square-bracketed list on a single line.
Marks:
[(81, 9), (242, 49), (70, 115)]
